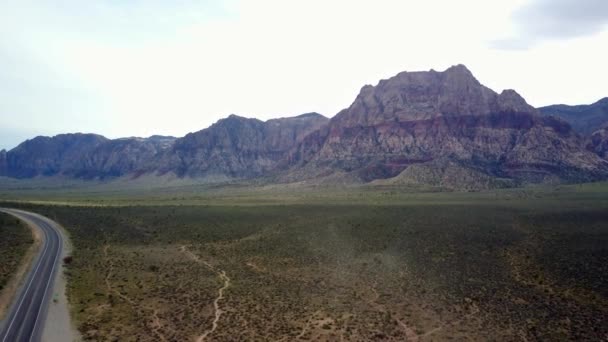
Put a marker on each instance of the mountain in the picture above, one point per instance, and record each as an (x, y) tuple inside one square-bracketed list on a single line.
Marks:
[(81, 156), (437, 118), (238, 147), (439, 128), (45, 156), (585, 119)]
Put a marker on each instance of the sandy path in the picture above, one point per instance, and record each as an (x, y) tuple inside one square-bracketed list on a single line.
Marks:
[(216, 303)]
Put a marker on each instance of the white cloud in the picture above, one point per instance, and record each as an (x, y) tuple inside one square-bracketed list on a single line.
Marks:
[(542, 20)]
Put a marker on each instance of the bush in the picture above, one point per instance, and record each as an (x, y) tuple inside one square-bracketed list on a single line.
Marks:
[(67, 260)]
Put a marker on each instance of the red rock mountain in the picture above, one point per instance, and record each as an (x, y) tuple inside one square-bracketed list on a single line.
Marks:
[(433, 118)]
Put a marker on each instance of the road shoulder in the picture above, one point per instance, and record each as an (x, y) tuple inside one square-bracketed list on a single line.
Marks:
[(59, 327)]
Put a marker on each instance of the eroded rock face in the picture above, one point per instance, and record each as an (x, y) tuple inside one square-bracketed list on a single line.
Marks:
[(418, 117), (238, 147), (598, 143)]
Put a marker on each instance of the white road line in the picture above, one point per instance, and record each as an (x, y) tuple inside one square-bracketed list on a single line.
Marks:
[(51, 277), (46, 245)]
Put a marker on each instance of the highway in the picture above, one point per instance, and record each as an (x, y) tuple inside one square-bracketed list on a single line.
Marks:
[(27, 314)]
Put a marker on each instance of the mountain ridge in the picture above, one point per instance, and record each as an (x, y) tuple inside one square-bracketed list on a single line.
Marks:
[(585, 119), (443, 123)]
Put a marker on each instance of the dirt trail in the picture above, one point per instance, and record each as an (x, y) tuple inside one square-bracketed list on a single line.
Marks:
[(156, 322), (410, 334), (307, 325), (109, 274), (216, 303)]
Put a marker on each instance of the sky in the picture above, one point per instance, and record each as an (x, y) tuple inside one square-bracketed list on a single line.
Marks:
[(137, 68)]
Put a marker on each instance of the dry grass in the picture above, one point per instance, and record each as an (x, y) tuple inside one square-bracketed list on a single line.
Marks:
[(348, 272), (18, 245)]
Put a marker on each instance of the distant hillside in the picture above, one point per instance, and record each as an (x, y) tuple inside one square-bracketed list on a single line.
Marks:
[(585, 119), (235, 147)]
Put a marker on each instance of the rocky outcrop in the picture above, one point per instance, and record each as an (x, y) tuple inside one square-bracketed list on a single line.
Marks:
[(585, 119), (238, 147), (420, 117), (598, 142)]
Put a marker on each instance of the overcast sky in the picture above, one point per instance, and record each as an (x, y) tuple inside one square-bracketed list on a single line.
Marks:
[(137, 68)]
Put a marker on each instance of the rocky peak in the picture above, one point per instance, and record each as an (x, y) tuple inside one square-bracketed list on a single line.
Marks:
[(510, 101), (410, 96), (419, 117), (312, 116), (603, 102), (235, 117)]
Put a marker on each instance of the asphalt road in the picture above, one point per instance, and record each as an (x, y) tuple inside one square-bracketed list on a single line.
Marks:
[(26, 317)]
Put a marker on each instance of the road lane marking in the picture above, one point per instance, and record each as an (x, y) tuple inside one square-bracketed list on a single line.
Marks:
[(51, 276)]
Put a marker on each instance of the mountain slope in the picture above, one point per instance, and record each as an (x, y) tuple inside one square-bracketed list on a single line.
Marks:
[(419, 117), (238, 147), (585, 119)]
